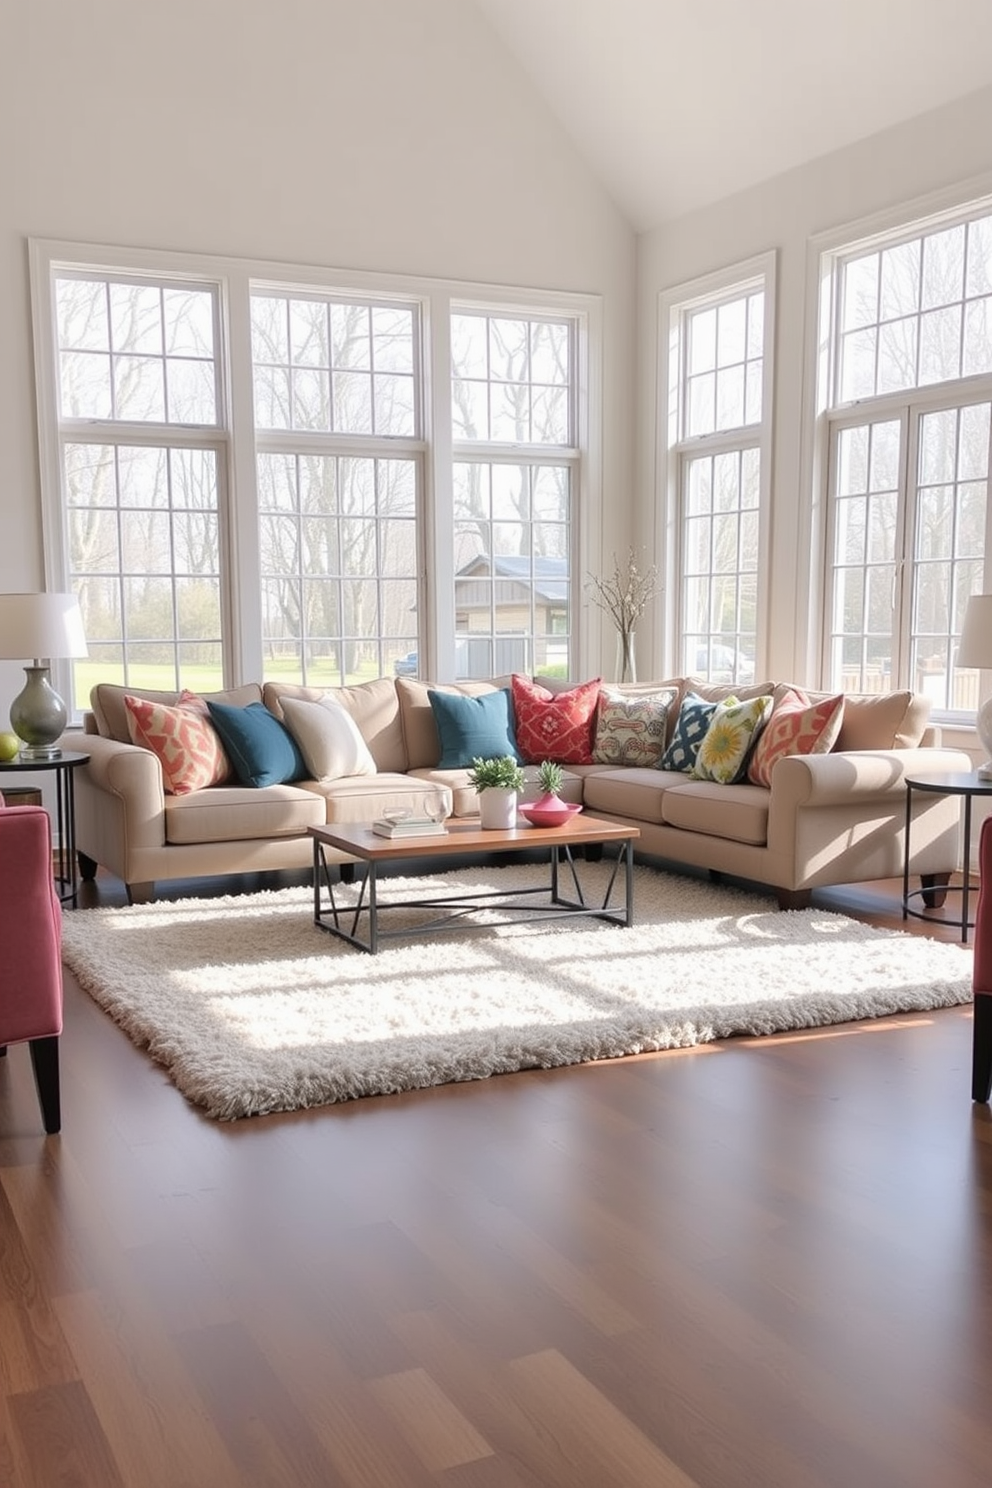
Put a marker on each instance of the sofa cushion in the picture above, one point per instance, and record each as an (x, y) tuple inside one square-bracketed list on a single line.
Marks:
[(738, 813), (373, 705), (110, 713), (262, 750), (631, 727), (184, 742), (733, 730), (630, 791), (329, 738), (796, 726), (472, 727), (364, 798), (689, 732), (238, 813), (421, 742), (555, 726), (885, 720)]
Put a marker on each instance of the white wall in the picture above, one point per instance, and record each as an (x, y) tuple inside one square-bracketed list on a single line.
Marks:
[(392, 135), (927, 154)]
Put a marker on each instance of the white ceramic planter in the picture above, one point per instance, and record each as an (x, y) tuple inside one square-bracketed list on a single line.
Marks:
[(498, 808)]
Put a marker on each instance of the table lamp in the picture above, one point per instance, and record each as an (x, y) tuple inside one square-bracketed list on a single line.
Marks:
[(975, 650), (47, 626)]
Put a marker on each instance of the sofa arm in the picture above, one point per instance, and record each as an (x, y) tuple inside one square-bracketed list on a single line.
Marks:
[(120, 801), (832, 779)]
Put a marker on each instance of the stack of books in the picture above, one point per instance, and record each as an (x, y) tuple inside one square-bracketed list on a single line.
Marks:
[(410, 826)]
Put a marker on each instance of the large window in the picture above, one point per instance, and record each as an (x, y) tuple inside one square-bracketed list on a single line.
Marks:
[(719, 376), (908, 400), (248, 470), (513, 416)]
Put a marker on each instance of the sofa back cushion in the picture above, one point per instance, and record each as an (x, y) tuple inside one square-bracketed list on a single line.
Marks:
[(110, 710), (373, 705), (420, 735), (885, 720)]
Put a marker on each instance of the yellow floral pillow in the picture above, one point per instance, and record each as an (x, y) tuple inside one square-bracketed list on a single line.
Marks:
[(734, 727)]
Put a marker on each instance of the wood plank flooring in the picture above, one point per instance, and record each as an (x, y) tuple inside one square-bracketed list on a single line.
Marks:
[(765, 1263)]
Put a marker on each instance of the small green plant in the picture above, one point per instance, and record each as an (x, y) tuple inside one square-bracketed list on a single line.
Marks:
[(550, 777), (495, 774)]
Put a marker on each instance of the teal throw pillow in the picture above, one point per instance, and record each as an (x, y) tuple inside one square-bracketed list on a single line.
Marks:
[(690, 730), (472, 728), (261, 749)]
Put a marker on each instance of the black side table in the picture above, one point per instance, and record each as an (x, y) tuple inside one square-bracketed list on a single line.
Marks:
[(64, 766), (969, 786)]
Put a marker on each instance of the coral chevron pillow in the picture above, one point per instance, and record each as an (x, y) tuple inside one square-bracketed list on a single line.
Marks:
[(796, 726), (183, 740), (554, 726)]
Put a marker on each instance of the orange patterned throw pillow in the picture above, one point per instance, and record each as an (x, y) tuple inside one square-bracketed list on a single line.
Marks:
[(554, 726), (183, 740), (796, 726)]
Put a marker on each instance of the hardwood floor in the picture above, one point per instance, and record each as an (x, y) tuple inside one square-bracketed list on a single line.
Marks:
[(765, 1263)]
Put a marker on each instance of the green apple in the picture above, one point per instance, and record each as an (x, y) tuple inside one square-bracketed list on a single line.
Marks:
[(10, 746)]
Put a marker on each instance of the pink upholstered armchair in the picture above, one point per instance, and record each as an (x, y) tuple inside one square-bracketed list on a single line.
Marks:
[(30, 950), (981, 1067)]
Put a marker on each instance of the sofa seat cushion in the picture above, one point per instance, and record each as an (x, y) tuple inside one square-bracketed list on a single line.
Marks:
[(241, 813), (364, 798), (632, 791), (738, 813)]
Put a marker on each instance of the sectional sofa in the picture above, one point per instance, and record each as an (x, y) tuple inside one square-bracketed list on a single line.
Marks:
[(828, 818)]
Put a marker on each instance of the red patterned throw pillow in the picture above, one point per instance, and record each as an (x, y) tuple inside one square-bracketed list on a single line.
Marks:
[(554, 726), (183, 740), (796, 726)]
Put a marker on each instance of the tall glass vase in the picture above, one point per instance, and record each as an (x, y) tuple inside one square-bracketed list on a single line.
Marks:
[(626, 656)]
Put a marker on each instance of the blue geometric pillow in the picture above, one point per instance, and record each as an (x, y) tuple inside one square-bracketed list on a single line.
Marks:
[(690, 731)]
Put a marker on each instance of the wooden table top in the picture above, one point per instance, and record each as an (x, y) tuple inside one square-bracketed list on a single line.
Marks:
[(464, 834)]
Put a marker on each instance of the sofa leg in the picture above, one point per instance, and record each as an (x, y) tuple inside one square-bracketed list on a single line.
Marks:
[(45, 1059), (981, 1049), (934, 888), (794, 898), (87, 867), (140, 893)]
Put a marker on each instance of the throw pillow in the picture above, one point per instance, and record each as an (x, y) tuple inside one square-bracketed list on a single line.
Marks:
[(796, 726), (690, 730), (472, 728), (182, 739), (555, 726), (329, 738), (262, 749), (734, 727), (630, 727)]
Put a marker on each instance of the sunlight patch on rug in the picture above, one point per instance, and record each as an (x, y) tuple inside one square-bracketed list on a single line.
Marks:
[(252, 1009)]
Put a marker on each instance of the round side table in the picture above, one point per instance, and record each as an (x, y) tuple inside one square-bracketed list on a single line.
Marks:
[(968, 786), (64, 766)]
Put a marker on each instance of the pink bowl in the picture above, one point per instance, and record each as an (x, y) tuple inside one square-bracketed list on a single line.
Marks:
[(548, 816)]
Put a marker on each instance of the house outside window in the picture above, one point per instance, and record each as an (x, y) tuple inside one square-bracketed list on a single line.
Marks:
[(719, 379), (906, 395)]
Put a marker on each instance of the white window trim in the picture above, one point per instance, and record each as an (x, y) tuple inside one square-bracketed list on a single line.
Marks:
[(760, 270), (235, 278)]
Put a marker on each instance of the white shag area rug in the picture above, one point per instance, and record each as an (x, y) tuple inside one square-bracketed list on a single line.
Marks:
[(252, 1009)]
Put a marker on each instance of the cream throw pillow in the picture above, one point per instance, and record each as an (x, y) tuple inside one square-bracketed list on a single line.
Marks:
[(329, 738)]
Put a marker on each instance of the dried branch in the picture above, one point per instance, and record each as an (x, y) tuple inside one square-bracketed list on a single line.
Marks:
[(626, 593)]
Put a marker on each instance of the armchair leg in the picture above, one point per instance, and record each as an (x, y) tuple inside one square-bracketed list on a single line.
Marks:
[(45, 1059), (981, 1061)]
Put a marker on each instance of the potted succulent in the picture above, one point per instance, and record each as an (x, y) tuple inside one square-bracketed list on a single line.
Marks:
[(549, 808), (499, 782)]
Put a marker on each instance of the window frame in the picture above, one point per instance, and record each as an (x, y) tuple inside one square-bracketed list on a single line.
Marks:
[(676, 448), (235, 280)]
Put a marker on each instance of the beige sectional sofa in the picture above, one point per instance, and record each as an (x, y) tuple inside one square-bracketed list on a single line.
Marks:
[(826, 819)]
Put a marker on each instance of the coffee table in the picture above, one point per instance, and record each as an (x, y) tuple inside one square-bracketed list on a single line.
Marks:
[(561, 897)]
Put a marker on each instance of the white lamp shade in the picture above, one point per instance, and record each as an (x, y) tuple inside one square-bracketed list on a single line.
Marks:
[(975, 646), (36, 626)]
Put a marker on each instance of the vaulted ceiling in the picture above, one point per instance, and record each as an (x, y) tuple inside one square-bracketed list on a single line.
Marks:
[(677, 103)]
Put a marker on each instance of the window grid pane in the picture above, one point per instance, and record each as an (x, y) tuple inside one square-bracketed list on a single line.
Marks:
[(723, 365), (720, 565)]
